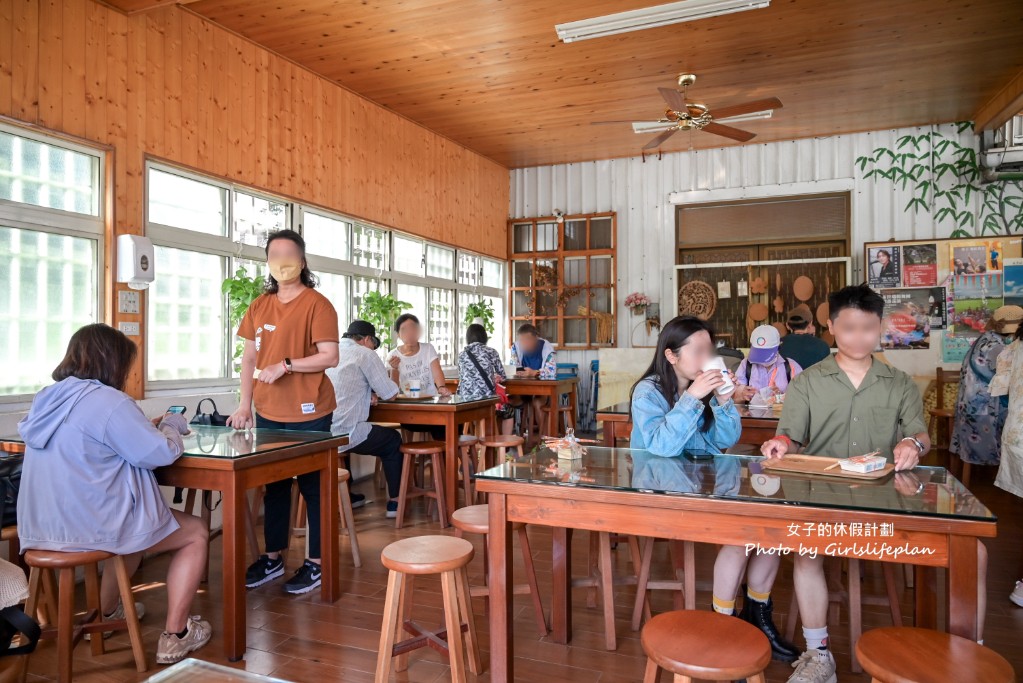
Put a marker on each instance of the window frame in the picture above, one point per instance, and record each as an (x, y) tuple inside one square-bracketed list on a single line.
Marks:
[(559, 256), (33, 218)]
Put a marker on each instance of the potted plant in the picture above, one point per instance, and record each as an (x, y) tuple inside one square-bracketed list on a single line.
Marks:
[(480, 313), (637, 302), (381, 310), (241, 290)]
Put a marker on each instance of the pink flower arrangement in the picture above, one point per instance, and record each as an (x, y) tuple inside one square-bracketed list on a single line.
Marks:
[(637, 302)]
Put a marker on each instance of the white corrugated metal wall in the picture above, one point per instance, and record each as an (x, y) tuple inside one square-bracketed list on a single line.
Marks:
[(638, 191)]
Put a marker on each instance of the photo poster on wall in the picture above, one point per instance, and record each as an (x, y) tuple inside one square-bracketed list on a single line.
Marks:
[(920, 265), (910, 315), (1013, 276), (884, 266), (977, 285), (954, 349)]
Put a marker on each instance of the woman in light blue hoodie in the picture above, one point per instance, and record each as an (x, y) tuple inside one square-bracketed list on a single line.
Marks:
[(88, 484), (677, 406)]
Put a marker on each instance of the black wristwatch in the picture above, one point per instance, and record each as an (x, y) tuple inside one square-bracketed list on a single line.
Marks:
[(287, 365)]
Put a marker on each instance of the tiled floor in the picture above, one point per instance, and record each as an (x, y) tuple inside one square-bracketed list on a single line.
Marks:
[(301, 639)]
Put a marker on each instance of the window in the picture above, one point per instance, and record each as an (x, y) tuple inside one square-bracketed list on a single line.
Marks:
[(187, 204), (326, 236), (256, 217), (48, 175), (369, 247), (360, 287), (440, 262), (440, 329), (416, 296), (469, 269), (335, 288), (408, 256), (50, 253), (566, 284)]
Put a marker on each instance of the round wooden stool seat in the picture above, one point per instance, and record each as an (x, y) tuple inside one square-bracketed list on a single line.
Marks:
[(706, 645), (51, 559), (427, 554), (9, 533), (475, 519), (423, 448), (467, 440), (502, 441), (919, 655), (343, 474), (387, 425)]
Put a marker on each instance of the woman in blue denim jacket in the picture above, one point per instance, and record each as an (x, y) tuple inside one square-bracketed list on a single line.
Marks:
[(677, 406)]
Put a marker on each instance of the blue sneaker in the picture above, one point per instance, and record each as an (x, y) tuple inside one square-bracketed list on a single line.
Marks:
[(263, 571), (392, 509), (305, 579)]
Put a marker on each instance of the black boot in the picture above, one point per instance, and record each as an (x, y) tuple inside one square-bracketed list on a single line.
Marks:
[(759, 614)]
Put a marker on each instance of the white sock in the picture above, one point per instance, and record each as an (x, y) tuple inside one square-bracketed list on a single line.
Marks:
[(816, 638)]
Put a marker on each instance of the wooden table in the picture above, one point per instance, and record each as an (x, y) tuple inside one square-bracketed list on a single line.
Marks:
[(552, 389), (221, 459), (451, 412), (758, 425), (633, 492)]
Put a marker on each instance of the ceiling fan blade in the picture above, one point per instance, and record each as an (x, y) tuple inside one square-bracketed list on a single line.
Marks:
[(729, 132), (746, 108), (673, 98), (657, 141), (601, 123)]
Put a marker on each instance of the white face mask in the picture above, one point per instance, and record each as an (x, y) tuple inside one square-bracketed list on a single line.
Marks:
[(285, 271)]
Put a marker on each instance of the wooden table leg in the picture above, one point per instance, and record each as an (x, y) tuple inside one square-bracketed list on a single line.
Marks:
[(500, 576), (234, 511), (609, 433), (330, 550), (925, 597), (553, 402), (962, 586), (450, 464), (561, 601)]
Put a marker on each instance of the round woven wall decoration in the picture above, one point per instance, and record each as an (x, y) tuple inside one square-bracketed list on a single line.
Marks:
[(757, 312), (803, 288), (823, 314), (782, 330), (697, 299)]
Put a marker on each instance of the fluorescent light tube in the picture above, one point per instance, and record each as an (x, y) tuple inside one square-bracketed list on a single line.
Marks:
[(652, 17), (641, 127)]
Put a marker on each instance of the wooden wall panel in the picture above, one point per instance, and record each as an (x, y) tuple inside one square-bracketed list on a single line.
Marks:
[(171, 85)]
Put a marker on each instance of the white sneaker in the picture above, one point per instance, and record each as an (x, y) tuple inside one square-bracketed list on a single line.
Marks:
[(172, 649), (118, 614), (1017, 594), (815, 666)]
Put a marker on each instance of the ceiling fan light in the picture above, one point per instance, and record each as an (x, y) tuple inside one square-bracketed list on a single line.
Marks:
[(652, 17)]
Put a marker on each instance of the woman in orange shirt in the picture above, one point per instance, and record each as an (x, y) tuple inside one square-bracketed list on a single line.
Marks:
[(291, 338)]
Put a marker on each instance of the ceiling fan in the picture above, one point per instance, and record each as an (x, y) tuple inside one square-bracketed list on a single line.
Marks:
[(685, 115)]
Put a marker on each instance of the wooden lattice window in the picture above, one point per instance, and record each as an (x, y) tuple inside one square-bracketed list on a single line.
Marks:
[(563, 278)]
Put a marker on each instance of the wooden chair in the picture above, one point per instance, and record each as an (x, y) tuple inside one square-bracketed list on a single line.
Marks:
[(475, 519), (67, 632), (851, 595), (940, 412), (706, 646), (919, 655), (434, 450), (423, 555), (602, 579), (683, 584)]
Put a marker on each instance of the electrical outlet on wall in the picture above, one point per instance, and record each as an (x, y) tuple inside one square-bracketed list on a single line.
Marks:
[(130, 329), (128, 302)]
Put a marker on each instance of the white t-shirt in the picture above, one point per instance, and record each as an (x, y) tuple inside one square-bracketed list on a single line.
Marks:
[(416, 367)]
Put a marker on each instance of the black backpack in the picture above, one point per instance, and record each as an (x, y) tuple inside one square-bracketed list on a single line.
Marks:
[(788, 370)]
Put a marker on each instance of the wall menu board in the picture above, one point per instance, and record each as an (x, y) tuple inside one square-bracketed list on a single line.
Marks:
[(951, 285)]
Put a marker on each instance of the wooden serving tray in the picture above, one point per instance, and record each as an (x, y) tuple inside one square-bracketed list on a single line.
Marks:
[(817, 465), (404, 397)]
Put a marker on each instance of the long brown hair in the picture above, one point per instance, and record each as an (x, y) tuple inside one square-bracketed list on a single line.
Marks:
[(98, 352)]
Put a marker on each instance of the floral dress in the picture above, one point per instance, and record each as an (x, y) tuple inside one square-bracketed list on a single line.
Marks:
[(979, 418), (1009, 380)]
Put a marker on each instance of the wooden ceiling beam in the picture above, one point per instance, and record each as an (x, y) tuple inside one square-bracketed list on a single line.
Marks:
[(1005, 104)]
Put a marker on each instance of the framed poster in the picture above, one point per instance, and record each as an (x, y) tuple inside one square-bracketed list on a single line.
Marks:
[(910, 316), (1013, 276), (884, 266)]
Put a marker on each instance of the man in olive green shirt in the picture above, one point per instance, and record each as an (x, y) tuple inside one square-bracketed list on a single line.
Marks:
[(846, 405)]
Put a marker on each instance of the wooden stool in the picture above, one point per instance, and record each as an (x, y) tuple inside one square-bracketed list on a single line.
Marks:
[(500, 443), (444, 555), (344, 504), (67, 633), (852, 595), (704, 645), (468, 454), (919, 655), (683, 563), (601, 578), (475, 519), (566, 416), (409, 490)]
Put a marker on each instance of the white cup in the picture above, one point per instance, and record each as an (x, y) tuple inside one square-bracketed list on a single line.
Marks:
[(413, 388), (717, 364)]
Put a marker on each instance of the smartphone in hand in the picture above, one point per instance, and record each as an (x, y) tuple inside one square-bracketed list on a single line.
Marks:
[(177, 410)]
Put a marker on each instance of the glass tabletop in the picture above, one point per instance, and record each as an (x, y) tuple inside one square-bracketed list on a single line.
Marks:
[(226, 442), (198, 670), (762, 413), (454, 399), (929, 491)]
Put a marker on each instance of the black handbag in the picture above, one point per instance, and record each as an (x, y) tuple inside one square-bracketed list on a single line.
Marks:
[(213, 419), (10, 483), (13, 621)]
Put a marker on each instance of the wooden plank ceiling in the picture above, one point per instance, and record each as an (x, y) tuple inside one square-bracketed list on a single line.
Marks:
[(492, 75)]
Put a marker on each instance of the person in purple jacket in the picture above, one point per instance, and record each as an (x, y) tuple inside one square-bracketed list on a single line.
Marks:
[(87, 482)]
